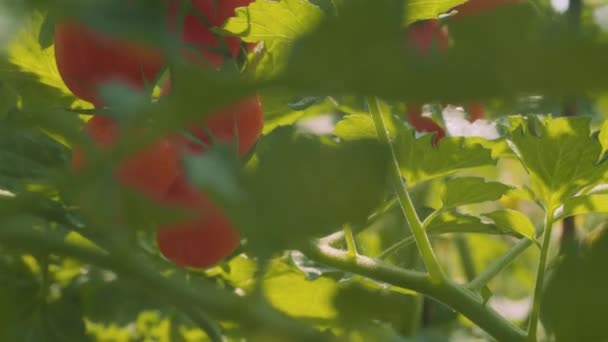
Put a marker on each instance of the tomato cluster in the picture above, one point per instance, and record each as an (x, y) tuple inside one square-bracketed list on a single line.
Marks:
[(427, 36), (87, 59)]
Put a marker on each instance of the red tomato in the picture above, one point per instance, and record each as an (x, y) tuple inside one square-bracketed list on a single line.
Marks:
[(197, 34), (205, 239), (476, 111), (422, 123), (243, 120), (476, 7), (87, 59), (424, 35), (151, 170)]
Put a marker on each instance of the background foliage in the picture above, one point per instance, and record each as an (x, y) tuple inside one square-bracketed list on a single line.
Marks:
[(69, 274)]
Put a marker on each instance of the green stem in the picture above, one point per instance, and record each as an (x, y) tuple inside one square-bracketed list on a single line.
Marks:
[(497, 266), (540, 276), (350, 241), (464, 249), (394, 248), (422, 240), (448, 292), (221, 304)]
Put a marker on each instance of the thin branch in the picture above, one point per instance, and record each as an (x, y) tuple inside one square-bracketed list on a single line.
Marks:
[(540, 275), (422, 240), (453, 295), (501, 263), (220, 303)]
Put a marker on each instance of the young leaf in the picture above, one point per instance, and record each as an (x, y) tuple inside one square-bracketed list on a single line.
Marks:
[(560, 156), (511, 220), (271, 21), (361, 126), (468, 190), (278, 24), (420, 160), (26, 52)]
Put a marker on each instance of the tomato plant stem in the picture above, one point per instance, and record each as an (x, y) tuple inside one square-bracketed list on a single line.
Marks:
[(540, 276), (466, 259), (422, 240), (505, 260), (448, 292), (135, 267)]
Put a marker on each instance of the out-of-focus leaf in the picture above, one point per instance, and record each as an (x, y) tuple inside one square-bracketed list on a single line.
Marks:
[(127, 301), (575, 302), (303, 185), (580, 205), (290, 291)]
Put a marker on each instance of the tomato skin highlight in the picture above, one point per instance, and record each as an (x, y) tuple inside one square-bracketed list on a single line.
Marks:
[(201, 241), (477, 7), (196, 33), (87, 59), (242, 121), (151, 170)]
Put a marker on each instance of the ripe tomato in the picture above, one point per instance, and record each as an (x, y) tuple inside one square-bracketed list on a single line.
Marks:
[(87, 59), (476, 7), (242, 121), (201, 241), (196, 33), (422, 123), (423, 35), (151, 170)]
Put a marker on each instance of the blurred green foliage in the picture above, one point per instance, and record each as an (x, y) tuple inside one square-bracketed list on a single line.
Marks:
[(313, 60)]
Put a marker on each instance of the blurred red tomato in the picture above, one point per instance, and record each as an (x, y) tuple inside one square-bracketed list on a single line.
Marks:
[(151, 170), (201, 241)]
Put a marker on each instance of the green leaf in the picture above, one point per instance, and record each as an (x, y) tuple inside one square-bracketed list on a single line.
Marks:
[(27, 316), (289, 290), (27, 156), (303, 185), (361, 126), (468, 190), (428, 9), (27, 53), (603, 136), (581, 205), (560, 156), (575, 302), (420, 160), (358, 304), (127, 301), (271, 21), (454, 222), (276, 23), (511, 220)]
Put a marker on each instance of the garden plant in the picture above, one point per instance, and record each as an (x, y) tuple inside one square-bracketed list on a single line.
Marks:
[(303, 170)]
